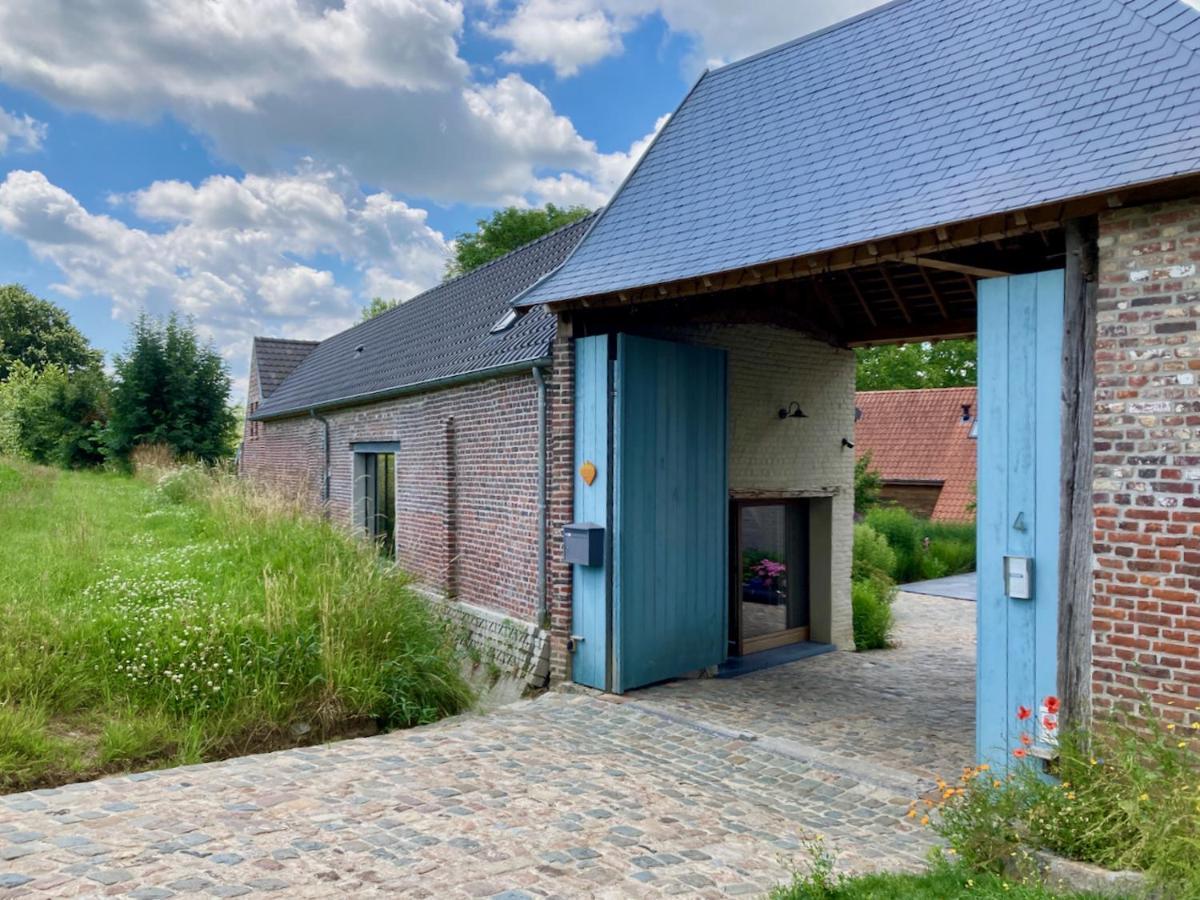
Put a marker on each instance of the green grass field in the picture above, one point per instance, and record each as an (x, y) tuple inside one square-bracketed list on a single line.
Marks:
[(146, 626), (942, 882)]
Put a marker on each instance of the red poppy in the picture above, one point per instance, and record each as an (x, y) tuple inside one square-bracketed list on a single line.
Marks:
[(1051, 704), (1026, 739), (1023, 713), (1049, 723), (1019, 753)]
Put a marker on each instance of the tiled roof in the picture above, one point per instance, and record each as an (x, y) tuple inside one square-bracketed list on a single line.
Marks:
[(276, 358), (917, 114), (921, 436), (440, 334)]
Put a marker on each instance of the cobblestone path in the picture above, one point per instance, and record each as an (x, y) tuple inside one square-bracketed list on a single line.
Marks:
[(671, 791)]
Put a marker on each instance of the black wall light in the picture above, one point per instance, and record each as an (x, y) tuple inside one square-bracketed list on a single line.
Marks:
[(847, 443), (793, 411)]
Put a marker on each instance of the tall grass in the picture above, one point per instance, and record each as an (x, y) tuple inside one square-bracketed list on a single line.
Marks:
[(189, 618)]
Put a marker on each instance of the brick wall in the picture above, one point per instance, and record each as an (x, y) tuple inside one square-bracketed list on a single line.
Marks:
[(466, 483), (1147, 482)]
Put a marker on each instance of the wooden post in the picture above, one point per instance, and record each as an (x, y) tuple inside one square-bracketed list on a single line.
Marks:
[(1075, 541)]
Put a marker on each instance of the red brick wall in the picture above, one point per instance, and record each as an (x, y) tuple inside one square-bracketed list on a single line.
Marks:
[(466, 482), (1147, 483)]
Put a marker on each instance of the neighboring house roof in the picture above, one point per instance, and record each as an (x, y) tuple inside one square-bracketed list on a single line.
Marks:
[(275, 359), (921, 437), (915, 115), (442, 334)]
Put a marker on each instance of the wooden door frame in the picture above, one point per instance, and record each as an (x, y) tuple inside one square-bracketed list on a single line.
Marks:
[(739, 645)]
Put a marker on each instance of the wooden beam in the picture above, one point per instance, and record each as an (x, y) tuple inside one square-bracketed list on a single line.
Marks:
[(907, 334), (948, 266), (896, 295), (1076, 520), (971, 285), (827, 302), (862, 300), (937, 295)]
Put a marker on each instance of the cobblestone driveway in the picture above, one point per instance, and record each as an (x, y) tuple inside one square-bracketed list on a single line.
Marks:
[(684, 790)]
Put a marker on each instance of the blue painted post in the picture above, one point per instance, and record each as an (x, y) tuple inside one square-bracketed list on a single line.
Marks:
[(589, 584)]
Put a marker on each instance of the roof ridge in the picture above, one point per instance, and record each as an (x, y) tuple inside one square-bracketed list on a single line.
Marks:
[(811, 35), (280, 340), (959, 387), (1168, 34), (491, 263)]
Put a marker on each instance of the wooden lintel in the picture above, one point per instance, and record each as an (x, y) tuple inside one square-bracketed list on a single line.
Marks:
[(934, 292), (948, 266), (896, 293), (919, 331)]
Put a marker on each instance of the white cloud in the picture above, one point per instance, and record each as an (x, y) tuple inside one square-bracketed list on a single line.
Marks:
[(567, 34), (572, 34), (376, 86), (238, 254), (20, 132)]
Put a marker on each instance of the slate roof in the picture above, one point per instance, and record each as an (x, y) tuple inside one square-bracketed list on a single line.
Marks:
[(921, 436), (917, 114), (276, 358), (438, 335)]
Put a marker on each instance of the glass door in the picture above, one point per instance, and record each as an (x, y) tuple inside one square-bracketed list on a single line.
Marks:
[(770, 573), (379, 499)]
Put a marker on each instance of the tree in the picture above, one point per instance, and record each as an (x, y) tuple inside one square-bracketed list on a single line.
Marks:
[(53, 416), (170, 389), (868, 484), (37, 333), (934, 364), (505, 231), (377, 307)]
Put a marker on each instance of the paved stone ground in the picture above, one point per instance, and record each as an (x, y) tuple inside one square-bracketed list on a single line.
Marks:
[(670, 791)]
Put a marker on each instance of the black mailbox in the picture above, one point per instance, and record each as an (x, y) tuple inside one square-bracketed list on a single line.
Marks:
[(583, 543)]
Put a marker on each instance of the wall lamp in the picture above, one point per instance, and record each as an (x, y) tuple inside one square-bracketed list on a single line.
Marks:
[(847, 443), (793, 411)]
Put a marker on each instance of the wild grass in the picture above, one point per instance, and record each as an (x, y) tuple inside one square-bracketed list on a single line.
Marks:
[(181, 617), (1125, 795)]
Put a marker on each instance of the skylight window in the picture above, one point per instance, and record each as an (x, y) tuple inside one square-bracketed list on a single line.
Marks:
[(506, 321)]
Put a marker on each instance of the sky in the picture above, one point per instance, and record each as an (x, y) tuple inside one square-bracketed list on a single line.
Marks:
[(266, 167)]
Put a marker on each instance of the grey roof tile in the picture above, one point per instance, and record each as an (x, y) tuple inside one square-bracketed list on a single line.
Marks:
[(442, 333), (917, 114), (276, 358)]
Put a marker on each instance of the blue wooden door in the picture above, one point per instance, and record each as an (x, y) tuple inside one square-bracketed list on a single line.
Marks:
[(589, 605), (1020, 383), (670, 508)]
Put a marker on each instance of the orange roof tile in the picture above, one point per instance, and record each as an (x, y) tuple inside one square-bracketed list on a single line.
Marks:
[(920, 436)]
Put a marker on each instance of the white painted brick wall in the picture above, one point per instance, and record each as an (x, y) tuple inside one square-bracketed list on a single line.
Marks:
[(769, 368)]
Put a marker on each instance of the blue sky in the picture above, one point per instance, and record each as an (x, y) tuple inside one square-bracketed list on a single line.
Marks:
[(266, 168)]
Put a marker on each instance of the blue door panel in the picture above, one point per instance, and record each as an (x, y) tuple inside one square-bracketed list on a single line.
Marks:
[(1020, 375), (670, 507)]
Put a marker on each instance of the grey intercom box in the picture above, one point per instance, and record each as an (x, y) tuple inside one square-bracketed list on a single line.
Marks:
[(583, 543), (1018, 577)]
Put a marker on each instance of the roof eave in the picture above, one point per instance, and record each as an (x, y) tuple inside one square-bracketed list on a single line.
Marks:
[(417, 387)]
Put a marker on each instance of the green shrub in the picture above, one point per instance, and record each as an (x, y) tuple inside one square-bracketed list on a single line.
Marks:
[(872, 607), (873, 558), (868, 485), (924, 550), (1126, 796)]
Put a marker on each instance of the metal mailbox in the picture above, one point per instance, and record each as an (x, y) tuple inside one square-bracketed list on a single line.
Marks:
[(583, 543)]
